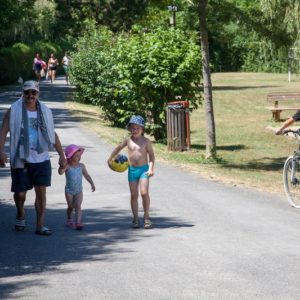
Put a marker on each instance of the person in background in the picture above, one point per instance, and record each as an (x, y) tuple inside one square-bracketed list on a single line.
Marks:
[(52, 67), (37, 66), (65, 63)]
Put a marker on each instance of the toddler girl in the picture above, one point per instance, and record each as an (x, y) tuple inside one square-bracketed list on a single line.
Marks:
[(73, 189)]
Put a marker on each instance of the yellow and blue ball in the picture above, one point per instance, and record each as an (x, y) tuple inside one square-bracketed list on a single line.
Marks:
[(120, 163)]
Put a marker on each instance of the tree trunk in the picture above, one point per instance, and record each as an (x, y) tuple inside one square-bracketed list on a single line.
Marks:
[(207, 85)]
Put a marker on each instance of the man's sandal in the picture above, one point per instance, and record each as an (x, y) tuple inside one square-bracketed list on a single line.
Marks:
[(43, 231), (20, 224), (147, 224), (135, 223)]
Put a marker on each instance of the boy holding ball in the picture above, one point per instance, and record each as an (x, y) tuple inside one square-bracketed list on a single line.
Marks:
[(141, 165)]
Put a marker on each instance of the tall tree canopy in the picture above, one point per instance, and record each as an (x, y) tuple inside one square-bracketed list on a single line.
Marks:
[(243, 35), (116, 15), (11, 13)]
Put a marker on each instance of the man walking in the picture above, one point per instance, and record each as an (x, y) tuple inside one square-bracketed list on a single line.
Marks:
[(31, 127)]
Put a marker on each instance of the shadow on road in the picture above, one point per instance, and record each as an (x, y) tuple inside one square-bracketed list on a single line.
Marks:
[(106, 234), (57, 93), (23, 253), (4, 173)]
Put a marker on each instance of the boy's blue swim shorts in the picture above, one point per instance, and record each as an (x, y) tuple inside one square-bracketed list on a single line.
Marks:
[(137, 173)]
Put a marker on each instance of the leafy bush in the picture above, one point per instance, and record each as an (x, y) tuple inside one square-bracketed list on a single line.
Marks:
[(15, 61), (7, 65), (137, 74), (23, 54), (92, 69)]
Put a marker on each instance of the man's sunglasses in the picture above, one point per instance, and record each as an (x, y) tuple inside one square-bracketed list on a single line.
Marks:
[(32, 92)]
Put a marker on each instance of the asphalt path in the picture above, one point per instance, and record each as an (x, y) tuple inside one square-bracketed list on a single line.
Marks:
[(209, 241)]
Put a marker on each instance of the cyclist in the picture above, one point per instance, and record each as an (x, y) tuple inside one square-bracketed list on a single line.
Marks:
[(288, 122)]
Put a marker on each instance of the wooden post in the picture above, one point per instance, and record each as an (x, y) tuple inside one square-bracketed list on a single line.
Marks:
[(276, 113), (177, 127)]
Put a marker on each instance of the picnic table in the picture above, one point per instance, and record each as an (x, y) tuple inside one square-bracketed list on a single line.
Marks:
[(283, 101)]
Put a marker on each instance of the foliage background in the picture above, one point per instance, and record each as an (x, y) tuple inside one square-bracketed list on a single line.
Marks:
[(126, 58), (244, 35), (137, 73)]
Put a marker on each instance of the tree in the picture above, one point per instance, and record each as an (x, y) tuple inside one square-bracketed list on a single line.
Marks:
[(12, 13), (118, 15), (284, 17), (207, 85)]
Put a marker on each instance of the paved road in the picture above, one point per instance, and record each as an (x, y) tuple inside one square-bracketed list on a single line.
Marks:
[(209, 241)]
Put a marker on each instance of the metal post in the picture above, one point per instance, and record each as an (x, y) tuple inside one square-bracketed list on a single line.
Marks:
[(174, 18), (172, 9)]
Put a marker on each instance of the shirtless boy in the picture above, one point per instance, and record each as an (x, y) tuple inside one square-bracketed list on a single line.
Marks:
[(141, 165)]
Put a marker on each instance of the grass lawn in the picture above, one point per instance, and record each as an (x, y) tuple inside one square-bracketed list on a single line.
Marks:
[(251, 155)]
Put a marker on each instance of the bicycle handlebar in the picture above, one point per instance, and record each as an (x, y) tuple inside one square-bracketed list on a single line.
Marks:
[(292, 131)]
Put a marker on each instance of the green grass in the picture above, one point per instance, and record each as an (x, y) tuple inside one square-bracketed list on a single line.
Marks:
[(249, 154)]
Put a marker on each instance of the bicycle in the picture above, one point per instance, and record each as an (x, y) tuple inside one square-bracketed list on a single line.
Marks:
[(291, 173)]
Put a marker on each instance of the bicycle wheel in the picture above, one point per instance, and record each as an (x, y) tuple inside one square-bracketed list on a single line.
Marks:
[(292, 183)]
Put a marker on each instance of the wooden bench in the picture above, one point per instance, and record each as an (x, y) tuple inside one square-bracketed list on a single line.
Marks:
[(280, 101)]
